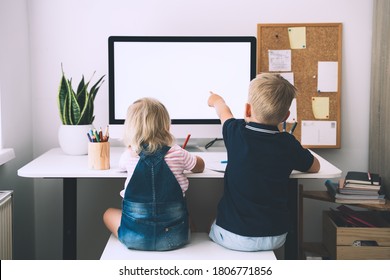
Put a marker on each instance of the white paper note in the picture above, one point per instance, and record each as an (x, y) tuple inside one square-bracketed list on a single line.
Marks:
[(318, 132), (279, 60), (289, 76), (293, 112), (327, 76)]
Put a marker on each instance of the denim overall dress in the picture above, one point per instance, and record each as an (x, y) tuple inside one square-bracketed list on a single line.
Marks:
[(154, 211)]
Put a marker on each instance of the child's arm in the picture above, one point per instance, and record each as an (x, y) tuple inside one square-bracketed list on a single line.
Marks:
[(199, 166), (315, 167), (223, 111)]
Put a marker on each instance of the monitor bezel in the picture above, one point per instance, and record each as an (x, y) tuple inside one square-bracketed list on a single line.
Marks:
[(191, 39)]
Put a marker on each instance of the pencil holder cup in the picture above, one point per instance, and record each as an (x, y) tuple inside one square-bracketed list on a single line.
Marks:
[(99, 155)]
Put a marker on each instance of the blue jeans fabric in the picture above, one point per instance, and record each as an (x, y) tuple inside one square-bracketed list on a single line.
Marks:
[(154, 211)]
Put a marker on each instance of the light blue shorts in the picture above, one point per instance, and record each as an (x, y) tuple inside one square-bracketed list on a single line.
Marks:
[(244, 243)]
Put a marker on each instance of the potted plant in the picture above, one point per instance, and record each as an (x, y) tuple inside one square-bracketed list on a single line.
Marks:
[(76, 110)]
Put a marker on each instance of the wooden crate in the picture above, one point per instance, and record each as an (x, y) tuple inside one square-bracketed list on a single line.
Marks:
[(339, 241)]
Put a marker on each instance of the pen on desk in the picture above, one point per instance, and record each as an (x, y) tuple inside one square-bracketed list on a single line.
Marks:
[(186, 141), (224, 161), (293, 127), (369, 177)]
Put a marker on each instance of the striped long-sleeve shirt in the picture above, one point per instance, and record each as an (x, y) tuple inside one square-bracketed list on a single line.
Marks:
[(177, 159)]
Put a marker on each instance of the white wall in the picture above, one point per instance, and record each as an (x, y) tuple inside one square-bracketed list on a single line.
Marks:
[(75, 33), (16, 119)]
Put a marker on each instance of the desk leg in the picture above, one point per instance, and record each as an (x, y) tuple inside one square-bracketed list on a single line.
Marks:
[(69, 245), (291, 245)]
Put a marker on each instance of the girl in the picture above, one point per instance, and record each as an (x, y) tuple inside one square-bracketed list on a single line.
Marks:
[(154, 214)]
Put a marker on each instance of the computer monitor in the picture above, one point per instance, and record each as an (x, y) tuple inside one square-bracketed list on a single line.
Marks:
[(180, 72)]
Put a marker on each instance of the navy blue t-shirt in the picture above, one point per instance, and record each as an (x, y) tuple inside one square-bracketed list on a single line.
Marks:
[(260, 161)]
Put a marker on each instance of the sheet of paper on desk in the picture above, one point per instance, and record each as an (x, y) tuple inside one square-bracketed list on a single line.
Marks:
[(216, 165), (318, 132), (118, 170)]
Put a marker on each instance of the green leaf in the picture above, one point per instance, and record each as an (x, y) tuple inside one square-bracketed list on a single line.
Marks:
[(90, 115), (95, 88), (65, 115), (81, 86), (82, 93), (77, 107), (74, 108), (86, 111), (62, 93)]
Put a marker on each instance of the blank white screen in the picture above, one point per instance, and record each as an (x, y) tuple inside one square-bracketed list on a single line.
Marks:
[(181, 75)]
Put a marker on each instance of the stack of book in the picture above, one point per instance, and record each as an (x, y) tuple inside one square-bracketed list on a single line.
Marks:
[(357, 188)]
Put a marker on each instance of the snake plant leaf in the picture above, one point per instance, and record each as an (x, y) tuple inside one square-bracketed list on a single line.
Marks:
[(82, 95), (90, 110), (76, 108), (86, 110), (96, 87), (65, 119), (62, 94), (81, 87)]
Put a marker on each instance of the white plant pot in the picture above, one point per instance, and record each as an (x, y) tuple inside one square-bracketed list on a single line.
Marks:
[(73, 139)]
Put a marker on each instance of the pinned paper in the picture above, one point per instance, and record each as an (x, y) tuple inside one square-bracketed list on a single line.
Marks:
[(318, 132), (293, 112), (289, 76), (297, 36), (279, 60), (320, 106), (327, 76)]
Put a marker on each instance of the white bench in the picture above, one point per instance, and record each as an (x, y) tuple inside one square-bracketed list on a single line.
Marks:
[(200, 248)]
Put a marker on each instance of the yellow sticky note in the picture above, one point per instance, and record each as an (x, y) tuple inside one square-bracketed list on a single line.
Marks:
[(297, 36), (320, 107)]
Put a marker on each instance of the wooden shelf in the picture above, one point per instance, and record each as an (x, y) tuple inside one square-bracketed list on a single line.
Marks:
[(324, 196), (318, 248)]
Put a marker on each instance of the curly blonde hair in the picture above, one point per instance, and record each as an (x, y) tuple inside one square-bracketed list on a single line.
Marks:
[(270, 96), (147, 126)]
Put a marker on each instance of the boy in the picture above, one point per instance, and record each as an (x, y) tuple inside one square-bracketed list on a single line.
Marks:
[(252, 213)]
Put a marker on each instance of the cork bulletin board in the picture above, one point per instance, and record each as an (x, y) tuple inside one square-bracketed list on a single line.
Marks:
[(309, 56)]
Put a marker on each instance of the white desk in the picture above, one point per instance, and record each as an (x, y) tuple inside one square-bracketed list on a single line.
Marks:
[(56, 164)]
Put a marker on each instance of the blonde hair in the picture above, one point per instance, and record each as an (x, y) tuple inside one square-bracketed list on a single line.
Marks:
[(147, 123), (270, 96)]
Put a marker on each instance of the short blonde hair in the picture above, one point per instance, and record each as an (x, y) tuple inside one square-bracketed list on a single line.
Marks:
[(270, 96), (147, 123)]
